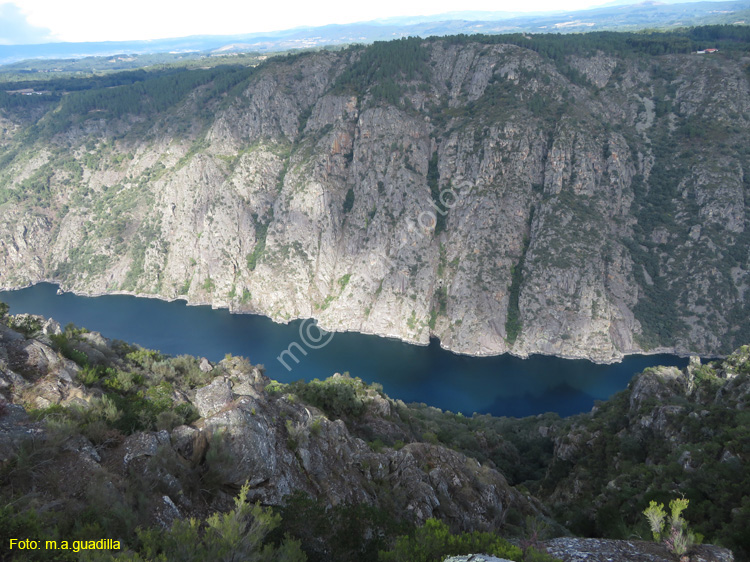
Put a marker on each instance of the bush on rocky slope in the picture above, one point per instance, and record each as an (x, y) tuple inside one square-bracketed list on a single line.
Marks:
[(126, 438)]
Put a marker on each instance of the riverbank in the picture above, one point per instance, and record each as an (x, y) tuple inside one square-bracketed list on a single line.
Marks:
[(386, 335)]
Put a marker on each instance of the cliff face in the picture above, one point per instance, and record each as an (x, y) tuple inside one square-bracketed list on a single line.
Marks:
[(492, 198)]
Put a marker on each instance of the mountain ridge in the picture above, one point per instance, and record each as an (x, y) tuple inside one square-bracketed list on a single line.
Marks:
[(502, 198), (622, 17)]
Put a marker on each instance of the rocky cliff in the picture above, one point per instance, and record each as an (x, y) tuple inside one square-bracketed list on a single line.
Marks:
[(590, 204), (243, 428), (99, 438)]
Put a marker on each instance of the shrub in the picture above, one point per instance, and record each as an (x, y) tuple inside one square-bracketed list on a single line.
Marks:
[(337, 396), (674, 533), (339, 533), (25, 324), (62, 343), (237, 535), (168, 420), (433, 542), (187, 412), (348, 201), (316, 426), (219, 465), (145, 358)]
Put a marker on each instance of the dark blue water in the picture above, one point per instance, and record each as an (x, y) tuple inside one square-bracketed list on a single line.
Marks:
[(502, 386)]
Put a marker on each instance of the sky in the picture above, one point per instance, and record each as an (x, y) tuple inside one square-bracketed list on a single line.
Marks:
[(41, 21)]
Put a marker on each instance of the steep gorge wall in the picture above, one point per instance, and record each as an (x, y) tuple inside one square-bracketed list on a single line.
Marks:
[(499, 203)]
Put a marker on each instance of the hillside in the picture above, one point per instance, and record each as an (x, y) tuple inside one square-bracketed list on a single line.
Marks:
[(581, 196), (99, 438)]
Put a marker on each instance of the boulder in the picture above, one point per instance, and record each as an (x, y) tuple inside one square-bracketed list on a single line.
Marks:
[(139, 445), (213, 398)]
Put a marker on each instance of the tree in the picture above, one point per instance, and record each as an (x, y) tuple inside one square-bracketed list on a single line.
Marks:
[(674, 533), (236, 536)]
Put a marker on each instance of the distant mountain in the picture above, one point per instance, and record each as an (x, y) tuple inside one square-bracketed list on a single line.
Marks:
[(615, 17)]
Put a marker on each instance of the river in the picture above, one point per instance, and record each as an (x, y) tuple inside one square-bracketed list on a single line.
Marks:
[(501, 385)]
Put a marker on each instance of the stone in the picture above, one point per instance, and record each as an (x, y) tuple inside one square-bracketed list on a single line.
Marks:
[(213, 398), (475, 558), (139, 445), (604, 550)]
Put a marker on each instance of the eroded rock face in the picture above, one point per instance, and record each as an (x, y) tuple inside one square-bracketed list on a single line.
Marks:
[(30, 362), (526, 170), (281, 447)]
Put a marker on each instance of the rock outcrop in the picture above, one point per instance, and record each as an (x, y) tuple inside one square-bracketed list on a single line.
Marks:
[(274, 443), (602, 550)]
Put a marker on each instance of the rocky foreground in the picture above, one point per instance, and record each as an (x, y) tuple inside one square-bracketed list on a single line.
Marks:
[(97, 432)]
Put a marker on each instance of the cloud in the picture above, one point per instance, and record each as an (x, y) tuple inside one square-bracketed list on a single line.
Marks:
[(16, 30)]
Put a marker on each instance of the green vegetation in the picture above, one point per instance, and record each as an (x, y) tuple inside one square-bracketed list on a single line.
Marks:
[(657, 308), (344, 280), (675, 533), (339, 533), (557, 46), (338, 397), (441, 306), (27, 325), (625, 465), (513, 325), (40, 72), (381, 68), (433, 542), (612, 471), (136, 386), (261, 231), (144, 93), (240, 534)]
